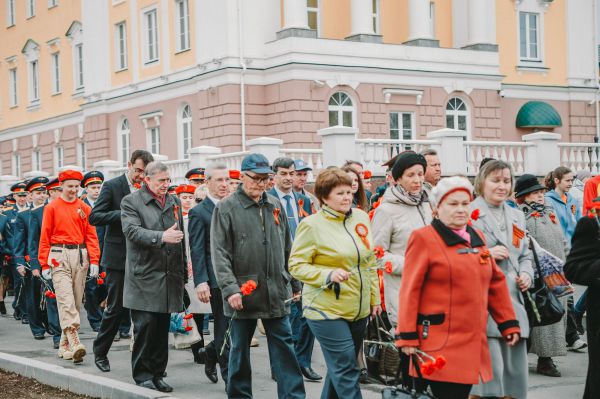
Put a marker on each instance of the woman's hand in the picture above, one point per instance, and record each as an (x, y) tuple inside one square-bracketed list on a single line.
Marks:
[(524, 281), (409, 350), (499, 252), (375, 311), (339, 276), (511, 339)]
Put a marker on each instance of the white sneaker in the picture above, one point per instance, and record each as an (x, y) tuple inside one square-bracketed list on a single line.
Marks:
[(578, 346)]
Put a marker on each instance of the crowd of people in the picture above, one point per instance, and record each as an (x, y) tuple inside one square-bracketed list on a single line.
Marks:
[(447, 261)]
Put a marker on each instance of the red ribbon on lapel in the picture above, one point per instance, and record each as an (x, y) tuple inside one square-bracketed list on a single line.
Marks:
[(301, 212), (176, 212), (276, 215), (518, 235)]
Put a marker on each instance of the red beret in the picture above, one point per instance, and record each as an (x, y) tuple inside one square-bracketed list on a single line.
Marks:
[(70, 175), (367, 174), (185, 189), (234, 174)]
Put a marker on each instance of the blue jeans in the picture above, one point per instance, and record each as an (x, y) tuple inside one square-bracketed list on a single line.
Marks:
[(340, 341), (290, 384), (32, 287), (579, 307), (53, 320), (304, 339)]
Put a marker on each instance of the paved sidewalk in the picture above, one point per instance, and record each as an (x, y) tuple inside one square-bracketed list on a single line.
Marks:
[(189, 381)]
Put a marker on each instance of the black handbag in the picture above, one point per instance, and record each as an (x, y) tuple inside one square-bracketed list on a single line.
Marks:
[(542, 306), (406, 392), (381, 359)]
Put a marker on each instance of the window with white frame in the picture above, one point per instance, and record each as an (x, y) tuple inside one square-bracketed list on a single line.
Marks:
[(457, 114), (529, 36), (124, 137), (376, 16), (36, 160), (59, 157), (12, 87), (55, 73), (16, 164), (52, 3), (182, 25), (81, 154), (432, 18), (186, 130), (30, 8), (121, 45), (154, 140), (402, 125), (313, 14), (78, 66), (34, 83), (10, 13), (150, 26), (341, 110)]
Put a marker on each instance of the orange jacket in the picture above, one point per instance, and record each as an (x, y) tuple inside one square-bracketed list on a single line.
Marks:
[(67, 223), (451, 286), (590, 191)]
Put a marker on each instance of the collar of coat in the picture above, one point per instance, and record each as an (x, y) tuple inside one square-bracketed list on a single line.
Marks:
[(147, 197), (335, 215), (247, 202), (451, 238)]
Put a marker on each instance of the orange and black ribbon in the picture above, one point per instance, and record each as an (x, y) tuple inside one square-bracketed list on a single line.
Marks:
[(176, 212), (276, 215), (518, 235), (301, 212)]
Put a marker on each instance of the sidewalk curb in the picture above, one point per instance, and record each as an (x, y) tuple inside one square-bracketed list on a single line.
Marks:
[(76, 381)]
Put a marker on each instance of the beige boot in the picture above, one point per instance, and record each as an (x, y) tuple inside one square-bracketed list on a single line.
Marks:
[(64, 350), (76, 346)]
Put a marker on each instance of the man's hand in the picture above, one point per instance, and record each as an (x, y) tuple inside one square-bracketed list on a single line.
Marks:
[(94, 271), (235, 301), (35, 272), (21, 270), (47, 274), (203, 292), (172, 235)]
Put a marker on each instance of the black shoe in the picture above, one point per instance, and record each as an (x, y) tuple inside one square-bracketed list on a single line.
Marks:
[(310, 374), (546, 366), (273, 376), (103, 364), (146, 384), (364, 376), (579, 323), (210, 369), (200, 356), (17, 316), (2, 308), (95, 328), (56, 345), (39, 336), (124, 335), (161, 385), (24, 320)]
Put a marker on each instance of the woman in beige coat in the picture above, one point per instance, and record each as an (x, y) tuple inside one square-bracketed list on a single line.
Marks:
[(404, 208)]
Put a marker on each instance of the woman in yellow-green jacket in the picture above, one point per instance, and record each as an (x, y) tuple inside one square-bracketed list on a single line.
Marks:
[(333, 256)]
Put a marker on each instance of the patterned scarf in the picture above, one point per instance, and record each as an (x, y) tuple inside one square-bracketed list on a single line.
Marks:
[(417, 199)]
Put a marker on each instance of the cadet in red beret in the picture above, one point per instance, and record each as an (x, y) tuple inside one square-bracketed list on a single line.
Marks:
[(185, 193), (68, 245), (234, 180)]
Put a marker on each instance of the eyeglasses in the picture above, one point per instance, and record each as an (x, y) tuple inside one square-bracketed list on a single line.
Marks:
[(258, 179), (139, 171)]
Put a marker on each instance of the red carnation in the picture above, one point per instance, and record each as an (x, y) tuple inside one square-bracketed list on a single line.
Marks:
[(427, 368), (102, 275), (248, 287), (100, 281), (475, 214), (54, 262), (188, 316), (27, 258), (536, 214), (379, 252), (440, 362), (388, 267), (47, 293), (188, 328)]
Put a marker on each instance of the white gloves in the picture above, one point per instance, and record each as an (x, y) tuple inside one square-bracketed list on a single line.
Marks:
[(47, 274), (94, 271), (21, 270)]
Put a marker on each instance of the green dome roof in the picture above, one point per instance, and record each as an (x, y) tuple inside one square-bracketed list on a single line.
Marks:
[(538, 114)]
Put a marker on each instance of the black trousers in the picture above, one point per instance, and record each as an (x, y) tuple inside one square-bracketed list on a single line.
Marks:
[(151, 344), (220, 324), (113, 314)]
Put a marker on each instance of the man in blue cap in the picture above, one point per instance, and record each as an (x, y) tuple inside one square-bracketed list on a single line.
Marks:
[(250, 240), (20, 195), (30, 274), (94, 294), (300, 179)]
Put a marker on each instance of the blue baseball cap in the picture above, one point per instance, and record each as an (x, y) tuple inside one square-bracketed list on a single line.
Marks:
[(256, 163), (300, 165)]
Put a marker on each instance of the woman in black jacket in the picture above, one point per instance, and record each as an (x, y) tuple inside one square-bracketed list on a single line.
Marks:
[(583, 267)]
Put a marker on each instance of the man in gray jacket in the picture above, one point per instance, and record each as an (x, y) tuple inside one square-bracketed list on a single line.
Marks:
[(250, 240), (155, 272)]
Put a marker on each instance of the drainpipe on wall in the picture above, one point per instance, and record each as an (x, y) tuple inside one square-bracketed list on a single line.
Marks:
[(242, 82), (596, 71)]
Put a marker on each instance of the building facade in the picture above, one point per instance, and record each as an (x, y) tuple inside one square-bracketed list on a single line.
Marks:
[(86, 81)]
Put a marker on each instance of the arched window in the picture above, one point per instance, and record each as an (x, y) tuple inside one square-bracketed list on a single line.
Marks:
[(341, 110), (457, 114), (124, 137), (186, 130)]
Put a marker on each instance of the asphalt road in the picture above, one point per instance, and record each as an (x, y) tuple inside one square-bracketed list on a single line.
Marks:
[(189, 381)]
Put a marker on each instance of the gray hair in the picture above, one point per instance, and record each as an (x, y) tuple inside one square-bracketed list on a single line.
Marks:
[(208, 172), (429, 151), (155, 167)]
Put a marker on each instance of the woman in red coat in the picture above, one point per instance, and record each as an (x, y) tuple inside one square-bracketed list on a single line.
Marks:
[(450, 283)]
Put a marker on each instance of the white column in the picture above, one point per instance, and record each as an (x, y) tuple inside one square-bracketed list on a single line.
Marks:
[(480, 35), (362, 18), (295, 14), (268, 146), (544, 154), (339, 144), (199, 155), (419, 23), (451, 150)]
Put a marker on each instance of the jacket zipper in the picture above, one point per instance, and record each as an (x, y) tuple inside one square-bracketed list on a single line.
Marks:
[(358, 266)]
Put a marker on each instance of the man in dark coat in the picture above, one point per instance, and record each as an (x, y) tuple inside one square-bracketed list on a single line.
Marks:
[(207, 289), (107, 212), (155, 272), (250, 240), (583, 267)]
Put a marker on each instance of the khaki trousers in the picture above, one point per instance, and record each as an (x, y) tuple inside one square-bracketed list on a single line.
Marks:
[(69, 282)]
